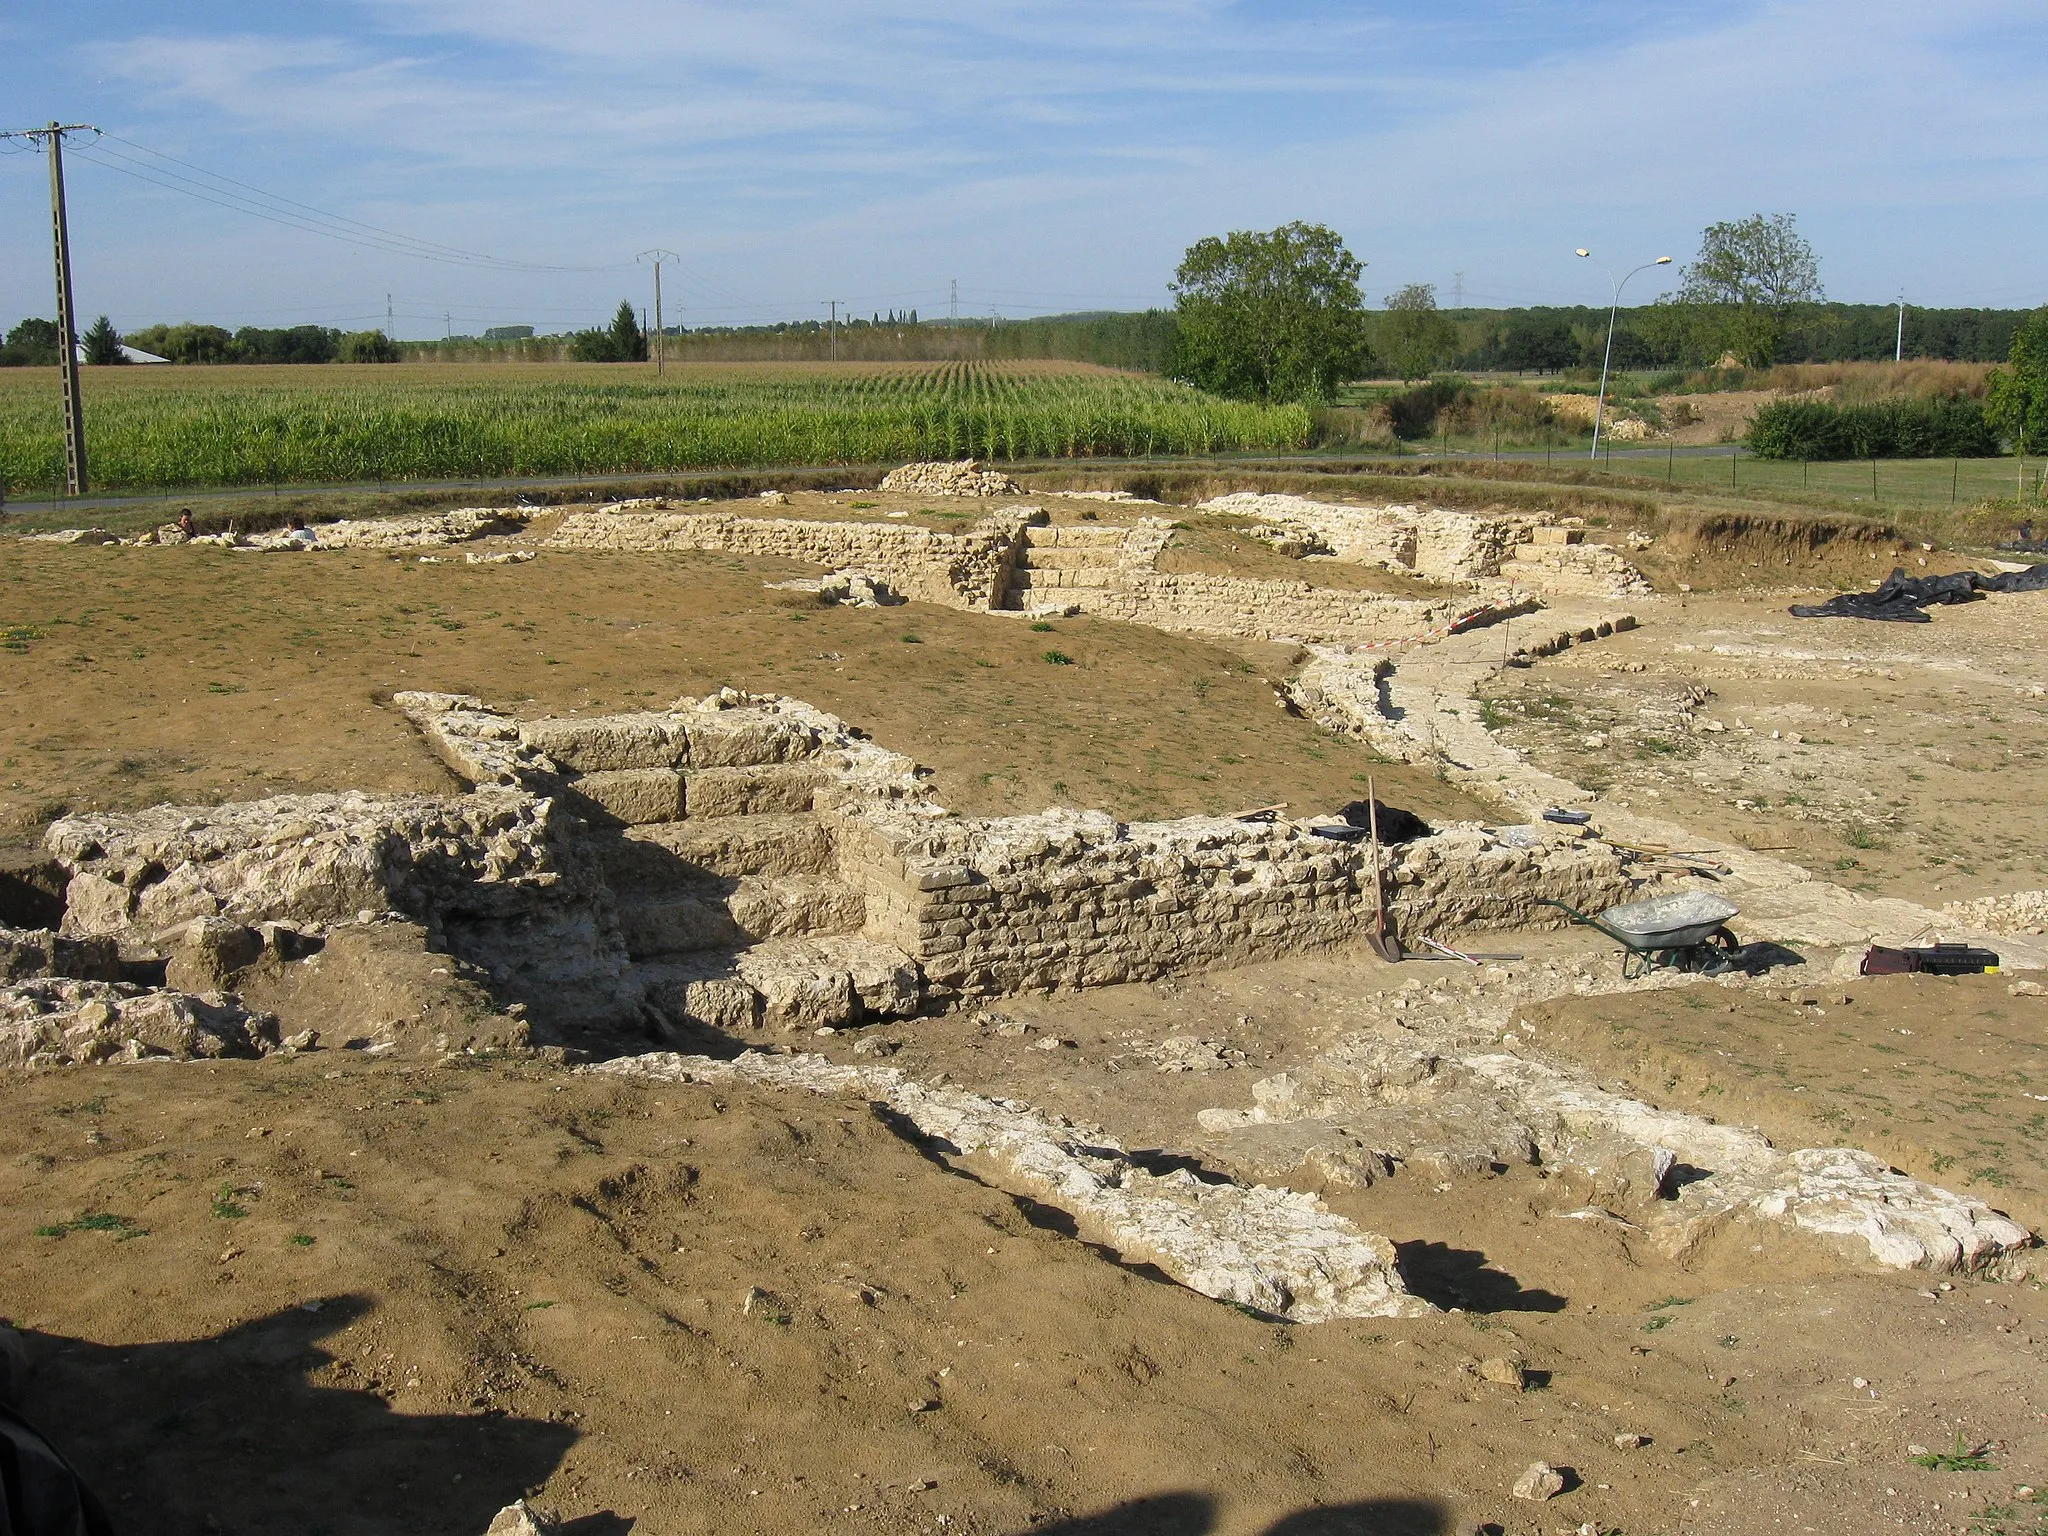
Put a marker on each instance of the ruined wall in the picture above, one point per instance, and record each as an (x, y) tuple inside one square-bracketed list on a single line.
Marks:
[(1074, 898), (1260, 610), (741, 861), (1111, 573), (498, 877), (1446, 545), (962, 570)]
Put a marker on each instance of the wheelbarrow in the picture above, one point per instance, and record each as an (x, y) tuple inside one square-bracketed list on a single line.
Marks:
[(1686, 931)]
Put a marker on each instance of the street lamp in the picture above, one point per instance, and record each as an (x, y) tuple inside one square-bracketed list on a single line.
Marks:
[(1613, 308)]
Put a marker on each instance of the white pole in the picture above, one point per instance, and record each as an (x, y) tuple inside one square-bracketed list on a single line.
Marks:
[(1613, 308)]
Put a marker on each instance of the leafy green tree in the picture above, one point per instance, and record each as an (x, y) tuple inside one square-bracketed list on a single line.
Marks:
[(368, 347), (31, 344), (1544, 343), (186, 343), (1273, 316), (620, 342), (293, 344), (2016, 396), (1748, 283), (102, 343), (1415, 336)]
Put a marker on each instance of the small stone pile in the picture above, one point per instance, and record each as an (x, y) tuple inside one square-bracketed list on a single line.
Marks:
[(2021, 912), (58, 1022), (965, 478), (846, 589)]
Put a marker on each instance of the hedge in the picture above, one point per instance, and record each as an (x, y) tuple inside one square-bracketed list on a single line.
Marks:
[(1890, 429)]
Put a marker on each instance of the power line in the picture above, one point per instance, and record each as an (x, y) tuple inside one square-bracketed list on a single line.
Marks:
[(217, 189)]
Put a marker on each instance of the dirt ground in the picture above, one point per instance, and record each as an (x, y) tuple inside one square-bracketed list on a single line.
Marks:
[(1906, 759), (1946, 1078), (1711, 418), (335, 1294), (131, 676)]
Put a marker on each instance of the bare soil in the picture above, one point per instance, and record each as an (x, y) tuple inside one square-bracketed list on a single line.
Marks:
[(1946, 1078), (139, 675), (1906, 759), (1721, 417), (337, 1294), (350, 1296)]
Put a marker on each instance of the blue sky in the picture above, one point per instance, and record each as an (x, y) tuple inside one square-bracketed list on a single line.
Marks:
[(1051, 155)]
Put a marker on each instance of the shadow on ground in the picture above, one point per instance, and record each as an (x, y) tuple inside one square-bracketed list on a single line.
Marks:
[(1194, 1514), (1445, 1276), (225, 1436)]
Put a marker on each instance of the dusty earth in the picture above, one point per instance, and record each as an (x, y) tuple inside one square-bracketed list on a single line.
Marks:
[(131, 676), (1907, 759), (327, 1293)]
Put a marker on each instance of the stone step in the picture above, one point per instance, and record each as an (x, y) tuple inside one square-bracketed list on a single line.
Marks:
[(1052, 581), (654, 926), (660, 856), (1067, 536), (1071, 560)]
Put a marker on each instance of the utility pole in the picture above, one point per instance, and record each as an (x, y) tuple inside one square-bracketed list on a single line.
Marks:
[(1457, 290), (67, 309), (1899, 347), (953, 322), (390, 324), (658, 257), (832, 330)]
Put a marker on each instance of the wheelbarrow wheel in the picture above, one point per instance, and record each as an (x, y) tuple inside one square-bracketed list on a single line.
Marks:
[(1724, 941)]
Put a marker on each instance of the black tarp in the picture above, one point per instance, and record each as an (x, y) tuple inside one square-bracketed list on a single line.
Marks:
[(1903, 599)]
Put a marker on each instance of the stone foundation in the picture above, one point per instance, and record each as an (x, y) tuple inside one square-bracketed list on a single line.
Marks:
[(961, 570)]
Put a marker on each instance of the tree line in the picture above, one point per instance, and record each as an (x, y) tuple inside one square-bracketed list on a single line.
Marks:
[(33, 344)]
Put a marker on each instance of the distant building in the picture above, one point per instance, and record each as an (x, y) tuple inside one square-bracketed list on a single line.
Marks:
[(128, 354), (508, 333)]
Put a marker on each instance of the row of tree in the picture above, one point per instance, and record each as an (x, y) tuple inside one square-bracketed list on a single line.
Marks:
[(1279, 315), (34, 344)]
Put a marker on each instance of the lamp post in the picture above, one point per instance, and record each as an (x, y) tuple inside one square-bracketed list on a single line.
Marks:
[(1613, 308)]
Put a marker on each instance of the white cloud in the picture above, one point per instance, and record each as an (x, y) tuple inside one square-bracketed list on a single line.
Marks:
[(1063, 147)]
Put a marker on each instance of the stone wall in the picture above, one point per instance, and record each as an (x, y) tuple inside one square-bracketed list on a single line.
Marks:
[(1260, 610), (1112, 573), (499, 877), (827, 885), (962, 570), (1076, 899), (1445, 545)]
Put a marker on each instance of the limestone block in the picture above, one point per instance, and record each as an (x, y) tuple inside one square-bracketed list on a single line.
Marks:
[(743, 738), (795, 998), (634, 796), (745, 845), (94, 904), (771, 790), (206, 954), (792, 906), (607, 743), (704, 996), (30, 953), (61, 1022)]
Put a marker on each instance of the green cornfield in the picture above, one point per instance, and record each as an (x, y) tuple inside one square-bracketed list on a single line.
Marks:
[(165, 427)]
